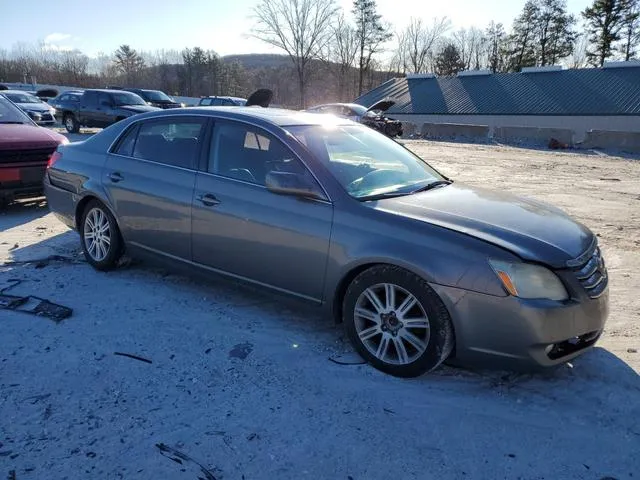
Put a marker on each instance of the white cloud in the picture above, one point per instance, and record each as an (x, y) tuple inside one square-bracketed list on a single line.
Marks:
[(56, 37)]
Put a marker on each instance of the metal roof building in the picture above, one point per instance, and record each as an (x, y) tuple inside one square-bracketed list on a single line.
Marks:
[(605, 98)]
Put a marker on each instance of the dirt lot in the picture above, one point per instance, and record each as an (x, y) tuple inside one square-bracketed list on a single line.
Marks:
[(242, 384)]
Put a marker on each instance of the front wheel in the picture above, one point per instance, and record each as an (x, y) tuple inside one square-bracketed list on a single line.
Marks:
[(397, 322), (101, 240), (71, 124)]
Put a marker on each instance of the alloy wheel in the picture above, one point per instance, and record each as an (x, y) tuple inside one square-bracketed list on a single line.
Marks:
[(97, 234), (392, 324)]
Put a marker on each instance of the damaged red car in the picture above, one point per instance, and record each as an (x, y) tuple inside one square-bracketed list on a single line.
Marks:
[(25, 150)]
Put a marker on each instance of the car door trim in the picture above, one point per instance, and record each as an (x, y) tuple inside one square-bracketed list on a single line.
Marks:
[(227, 274)]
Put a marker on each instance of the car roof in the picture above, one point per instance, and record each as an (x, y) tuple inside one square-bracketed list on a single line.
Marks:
[(224, 96), (276, 116), (106, 90), (16, 91)]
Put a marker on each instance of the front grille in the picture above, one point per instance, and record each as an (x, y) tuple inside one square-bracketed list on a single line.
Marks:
[(26, 156), (47, 117), (591, 271)]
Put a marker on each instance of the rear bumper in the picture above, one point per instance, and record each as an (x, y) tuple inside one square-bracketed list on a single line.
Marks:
[(61, 203), (508, 331)]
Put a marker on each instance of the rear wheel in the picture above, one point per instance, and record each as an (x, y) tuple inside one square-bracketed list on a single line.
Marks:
[(71, 124), (101, 239), (397, 322)]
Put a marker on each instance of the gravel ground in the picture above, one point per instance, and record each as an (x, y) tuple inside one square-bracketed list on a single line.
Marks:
[(242, 384)]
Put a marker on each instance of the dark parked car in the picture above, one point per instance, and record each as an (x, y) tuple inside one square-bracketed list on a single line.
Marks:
[(68, 99), (373, 116), (39, 111), (25, 149), (218, 101), (101, 108), (417, 267), (155, 98)]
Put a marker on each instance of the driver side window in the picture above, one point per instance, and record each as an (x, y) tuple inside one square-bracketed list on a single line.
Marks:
[(248, 154)]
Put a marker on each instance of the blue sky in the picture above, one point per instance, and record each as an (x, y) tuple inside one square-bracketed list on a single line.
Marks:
[(221, 25)]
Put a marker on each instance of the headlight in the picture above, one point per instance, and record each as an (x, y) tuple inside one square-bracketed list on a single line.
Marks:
[(526, 280)]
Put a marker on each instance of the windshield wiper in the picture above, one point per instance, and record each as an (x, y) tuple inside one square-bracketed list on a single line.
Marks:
[(431, 185), (11, 122), (381, 196)]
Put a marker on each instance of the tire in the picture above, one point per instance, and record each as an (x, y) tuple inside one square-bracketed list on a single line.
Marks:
[(408, 342), (70, 123), (101, 255)]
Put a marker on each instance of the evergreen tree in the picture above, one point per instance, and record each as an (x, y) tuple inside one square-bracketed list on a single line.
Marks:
[(555, 34), (523, 37), (605, 20), (128, 62), (448, 61), (630, 29), (371, 34)]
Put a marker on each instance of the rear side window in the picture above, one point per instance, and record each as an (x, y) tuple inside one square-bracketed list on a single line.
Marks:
[(126, 142), (91, 99), (174, 142)]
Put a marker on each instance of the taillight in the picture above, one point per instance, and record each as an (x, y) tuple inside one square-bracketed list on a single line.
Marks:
[(53, 158)]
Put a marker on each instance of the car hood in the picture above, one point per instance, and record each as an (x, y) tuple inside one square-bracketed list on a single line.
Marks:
[(16, 137), (533, 230), (139, 108), (35, 107), (382, 105)]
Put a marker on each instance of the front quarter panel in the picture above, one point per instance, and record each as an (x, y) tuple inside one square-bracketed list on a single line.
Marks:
[(363, 237)]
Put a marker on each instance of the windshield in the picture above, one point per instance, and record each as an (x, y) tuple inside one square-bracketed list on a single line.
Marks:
[(9, 113), (359, 109), (22, 98), (365, 162), (126, 98), (156, 96)]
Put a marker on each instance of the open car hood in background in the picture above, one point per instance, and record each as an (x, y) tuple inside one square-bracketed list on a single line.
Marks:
[(382, 105)]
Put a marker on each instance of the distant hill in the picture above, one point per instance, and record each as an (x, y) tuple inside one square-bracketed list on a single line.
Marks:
[(259, 60)]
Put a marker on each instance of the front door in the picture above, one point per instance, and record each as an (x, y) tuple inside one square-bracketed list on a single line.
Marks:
[(241, 228), (150, 177)]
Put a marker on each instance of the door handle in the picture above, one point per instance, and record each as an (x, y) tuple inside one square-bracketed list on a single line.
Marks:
[(115, 177), (208, 199)]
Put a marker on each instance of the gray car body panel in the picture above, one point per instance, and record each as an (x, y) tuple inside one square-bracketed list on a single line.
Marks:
[(445, 235)]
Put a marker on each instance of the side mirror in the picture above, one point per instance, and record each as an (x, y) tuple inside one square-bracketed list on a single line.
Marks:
[(286, 183)]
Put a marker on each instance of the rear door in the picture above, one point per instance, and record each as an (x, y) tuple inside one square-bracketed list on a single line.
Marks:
[(242, 228), (150, 176)]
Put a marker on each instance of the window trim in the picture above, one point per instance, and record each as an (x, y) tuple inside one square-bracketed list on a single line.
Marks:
[(211, 121)]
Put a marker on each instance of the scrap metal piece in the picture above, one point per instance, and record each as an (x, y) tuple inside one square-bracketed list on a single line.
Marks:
[(33, 305)]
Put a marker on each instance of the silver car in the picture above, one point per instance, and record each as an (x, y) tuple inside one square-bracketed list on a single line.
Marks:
[(419, 268), (40, 112)]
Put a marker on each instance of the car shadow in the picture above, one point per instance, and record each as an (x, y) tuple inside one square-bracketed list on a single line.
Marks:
[(22, 211)]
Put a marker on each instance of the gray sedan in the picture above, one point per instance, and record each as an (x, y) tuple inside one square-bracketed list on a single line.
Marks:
[(418, 268)]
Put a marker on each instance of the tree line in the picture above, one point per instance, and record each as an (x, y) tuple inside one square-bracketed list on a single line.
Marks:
[(336, 55)]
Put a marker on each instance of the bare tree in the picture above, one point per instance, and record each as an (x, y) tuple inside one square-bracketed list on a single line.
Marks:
[(299, 27), (578, 58), (372, 34), (417, 42), (343, 50)]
